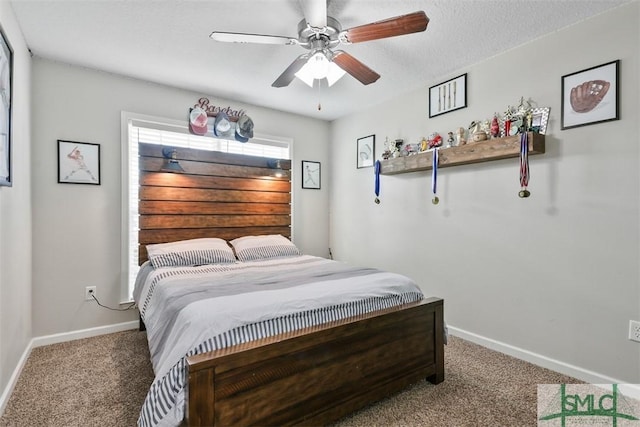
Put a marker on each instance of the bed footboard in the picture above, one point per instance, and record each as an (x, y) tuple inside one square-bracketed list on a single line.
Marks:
[(318, 374)]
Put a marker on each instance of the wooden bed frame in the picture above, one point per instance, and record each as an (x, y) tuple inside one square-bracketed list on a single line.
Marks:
[(311, 376), (320, 374)]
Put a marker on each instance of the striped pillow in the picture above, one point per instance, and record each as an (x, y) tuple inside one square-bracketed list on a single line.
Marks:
[(190, 252), (252, 248)]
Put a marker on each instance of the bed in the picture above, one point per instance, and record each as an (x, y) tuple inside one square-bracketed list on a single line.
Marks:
[(257, 333), (311, 374)]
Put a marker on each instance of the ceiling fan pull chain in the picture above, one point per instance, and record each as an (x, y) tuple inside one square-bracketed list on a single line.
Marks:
[(319, 103)]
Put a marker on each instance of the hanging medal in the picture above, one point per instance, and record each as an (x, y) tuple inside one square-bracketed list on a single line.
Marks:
[(377, 185), (434, 177), (524, 165)]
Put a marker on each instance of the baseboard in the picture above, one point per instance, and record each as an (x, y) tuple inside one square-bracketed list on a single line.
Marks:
[(4, 398), (84, 333), (54, 339), (537, 359)]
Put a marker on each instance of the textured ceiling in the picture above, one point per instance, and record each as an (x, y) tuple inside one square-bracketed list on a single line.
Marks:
[(168, 42)]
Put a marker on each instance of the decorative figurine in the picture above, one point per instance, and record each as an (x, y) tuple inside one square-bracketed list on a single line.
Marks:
[(393, 150), (523, 107), (486, 127), (507, 117), (450, 140), (528, 121), (424, 144), (386, 154), (461, 139), (477, 134), (435, 140), (409, 150), (495, 127), (521, 122), (398, 145)]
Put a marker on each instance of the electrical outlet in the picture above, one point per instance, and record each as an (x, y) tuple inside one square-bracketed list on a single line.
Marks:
[(89, 291), (634, 330)]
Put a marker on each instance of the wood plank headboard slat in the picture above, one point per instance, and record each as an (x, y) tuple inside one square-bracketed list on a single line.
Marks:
[(213, 182), (220, 195), (199, 194), (208, 156), (151, 207), (207, 221), (153, 164)]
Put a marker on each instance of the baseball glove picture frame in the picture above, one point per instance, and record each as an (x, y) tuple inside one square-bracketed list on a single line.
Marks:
[(590, 96)]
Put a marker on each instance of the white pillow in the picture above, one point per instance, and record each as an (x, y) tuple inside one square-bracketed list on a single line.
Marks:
[(251, 248), (190, 252)]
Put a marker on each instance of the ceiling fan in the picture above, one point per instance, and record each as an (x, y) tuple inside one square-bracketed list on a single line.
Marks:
[(320, 34)]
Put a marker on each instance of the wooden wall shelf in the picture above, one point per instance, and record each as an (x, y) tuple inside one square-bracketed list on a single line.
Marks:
[(474, 152)]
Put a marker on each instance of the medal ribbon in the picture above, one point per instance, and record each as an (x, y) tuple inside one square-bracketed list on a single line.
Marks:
[(524, 160), (377, 174), (434, 172)]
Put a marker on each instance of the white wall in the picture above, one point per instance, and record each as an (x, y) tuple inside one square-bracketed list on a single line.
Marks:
[(556, 274), (76, 228), (15, 212)]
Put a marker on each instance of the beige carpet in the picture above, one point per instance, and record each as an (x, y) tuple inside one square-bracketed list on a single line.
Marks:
[(102, 381)]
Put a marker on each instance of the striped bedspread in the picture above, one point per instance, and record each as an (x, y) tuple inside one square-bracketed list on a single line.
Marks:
[(191, 310)]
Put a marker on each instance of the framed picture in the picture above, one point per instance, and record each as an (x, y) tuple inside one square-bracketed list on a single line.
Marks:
[(448, 96), (78, 162), (310, 174), (590, 96), (540, 119), (6, 85), (366, 151)]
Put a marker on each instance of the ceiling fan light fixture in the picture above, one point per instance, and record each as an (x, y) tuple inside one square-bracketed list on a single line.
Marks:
[(319, 67), (306, 75), (335, 73)]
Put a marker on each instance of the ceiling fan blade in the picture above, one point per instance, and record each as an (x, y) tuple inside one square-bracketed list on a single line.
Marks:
[(251, 38), (400, 25), (354, 67), (290, 73), (315, 12)]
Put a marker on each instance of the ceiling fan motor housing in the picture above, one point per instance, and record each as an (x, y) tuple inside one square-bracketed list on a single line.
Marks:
[(319, 38)]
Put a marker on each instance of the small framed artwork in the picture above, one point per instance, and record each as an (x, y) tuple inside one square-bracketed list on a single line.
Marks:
[(366, 151), (590, 96), (448, 96), (78, 162), (540, 119), (310, 174), (6, 79)]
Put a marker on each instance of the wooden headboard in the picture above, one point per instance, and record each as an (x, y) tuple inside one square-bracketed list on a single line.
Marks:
[(220, 195)]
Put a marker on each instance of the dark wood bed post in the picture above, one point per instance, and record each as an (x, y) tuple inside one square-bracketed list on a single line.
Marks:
[(438, 376)]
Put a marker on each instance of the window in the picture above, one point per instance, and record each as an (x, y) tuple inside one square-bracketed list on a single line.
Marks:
[(138, 128)]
